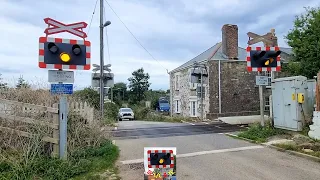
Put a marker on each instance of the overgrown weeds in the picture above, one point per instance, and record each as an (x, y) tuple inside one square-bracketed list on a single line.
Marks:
[(260, 134), (146, 114), (29, 157)]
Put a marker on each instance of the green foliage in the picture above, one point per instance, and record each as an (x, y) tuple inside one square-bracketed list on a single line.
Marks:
[(260, 134), (304, 39), (138, 85), (80, 162), (120, 93), (90, 96), (146, 114), (154, 96), (22, 83), (111, 112)]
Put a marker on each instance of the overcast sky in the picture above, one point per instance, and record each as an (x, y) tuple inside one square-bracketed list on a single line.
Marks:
[(173, 31)]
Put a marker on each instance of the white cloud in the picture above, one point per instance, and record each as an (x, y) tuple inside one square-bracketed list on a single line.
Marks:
[(173, 33)]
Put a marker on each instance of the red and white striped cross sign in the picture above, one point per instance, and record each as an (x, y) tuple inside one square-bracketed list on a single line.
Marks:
[(259, 69), (42, 64), (161, 166), (59, 27)]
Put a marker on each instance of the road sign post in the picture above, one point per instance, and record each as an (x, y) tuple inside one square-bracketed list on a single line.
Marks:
[(58, 53), (263, 59)]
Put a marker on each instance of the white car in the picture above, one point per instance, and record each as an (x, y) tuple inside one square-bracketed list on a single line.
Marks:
[(125, 113)]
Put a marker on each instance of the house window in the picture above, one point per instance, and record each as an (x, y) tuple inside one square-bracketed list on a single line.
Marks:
[(177, 82), (193, 108), (266, 104), (177, 106), (267, 73)]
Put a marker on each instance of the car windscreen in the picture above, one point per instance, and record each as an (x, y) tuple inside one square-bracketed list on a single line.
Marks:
[(125, 110)]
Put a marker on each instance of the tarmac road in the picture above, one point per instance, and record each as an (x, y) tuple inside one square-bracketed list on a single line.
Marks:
[(208, 155)]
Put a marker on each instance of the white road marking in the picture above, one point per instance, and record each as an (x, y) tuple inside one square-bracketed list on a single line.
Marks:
[(200, 153), (218, 127), (221, 133), (205, 122), (188, 122)]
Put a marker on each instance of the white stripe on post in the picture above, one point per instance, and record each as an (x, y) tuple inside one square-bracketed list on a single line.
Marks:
[(41, 58)]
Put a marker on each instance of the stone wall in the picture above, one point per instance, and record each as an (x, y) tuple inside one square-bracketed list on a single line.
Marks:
[(185, 93), (239, 94)]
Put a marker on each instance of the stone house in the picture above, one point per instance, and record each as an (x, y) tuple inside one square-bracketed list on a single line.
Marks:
[(231, 89)]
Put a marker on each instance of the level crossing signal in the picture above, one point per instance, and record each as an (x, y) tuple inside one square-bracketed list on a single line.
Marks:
[(263, 59)]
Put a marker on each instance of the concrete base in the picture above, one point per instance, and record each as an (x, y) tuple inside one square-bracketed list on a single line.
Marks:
[(242, 119)]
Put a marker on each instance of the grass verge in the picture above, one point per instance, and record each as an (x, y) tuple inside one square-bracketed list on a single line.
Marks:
[(260, 134), (81, 164), (294, 147)]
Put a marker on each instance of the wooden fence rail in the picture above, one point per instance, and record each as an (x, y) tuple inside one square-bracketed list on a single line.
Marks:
[(42, 115)]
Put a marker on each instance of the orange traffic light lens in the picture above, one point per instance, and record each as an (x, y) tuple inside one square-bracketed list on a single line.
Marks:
[(65, 57), (161, 161)]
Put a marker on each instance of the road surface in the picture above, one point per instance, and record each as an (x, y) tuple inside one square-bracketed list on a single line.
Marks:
[(208, 155)]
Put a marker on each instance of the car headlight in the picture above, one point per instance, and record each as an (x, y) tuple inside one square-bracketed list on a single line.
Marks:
[(132, 114)]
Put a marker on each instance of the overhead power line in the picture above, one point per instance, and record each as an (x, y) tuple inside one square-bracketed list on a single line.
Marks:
[(94, 11), (135, 36)]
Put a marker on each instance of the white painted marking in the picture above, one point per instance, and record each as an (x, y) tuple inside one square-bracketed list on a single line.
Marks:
[(221, 133), (188, 122), (200, 153), (205, 122), (218, 127)]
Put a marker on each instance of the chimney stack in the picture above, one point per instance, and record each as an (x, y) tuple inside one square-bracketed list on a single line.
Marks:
[(230, 41)]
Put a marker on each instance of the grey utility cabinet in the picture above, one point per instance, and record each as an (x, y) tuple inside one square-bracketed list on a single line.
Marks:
[(287, 112)]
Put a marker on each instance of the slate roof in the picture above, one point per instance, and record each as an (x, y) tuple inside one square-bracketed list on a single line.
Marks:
[(215, 53)]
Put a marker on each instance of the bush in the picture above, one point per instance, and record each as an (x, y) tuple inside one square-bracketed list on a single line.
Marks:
[(260, 134), (111, 112), (80, 162), (88, 95), (144, 113), (27, 158)]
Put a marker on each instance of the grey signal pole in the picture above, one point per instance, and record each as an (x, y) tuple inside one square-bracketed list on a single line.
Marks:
[(101, 61)]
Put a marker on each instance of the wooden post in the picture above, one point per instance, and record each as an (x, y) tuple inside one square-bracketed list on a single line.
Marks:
[(318, 92)]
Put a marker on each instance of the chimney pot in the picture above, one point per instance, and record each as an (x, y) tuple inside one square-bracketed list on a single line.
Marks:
[(230, 41)]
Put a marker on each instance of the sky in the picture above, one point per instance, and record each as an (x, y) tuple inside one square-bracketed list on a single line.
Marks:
[(172, 31)]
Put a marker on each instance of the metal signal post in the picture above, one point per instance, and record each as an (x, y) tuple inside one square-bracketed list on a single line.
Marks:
[(265, 58)]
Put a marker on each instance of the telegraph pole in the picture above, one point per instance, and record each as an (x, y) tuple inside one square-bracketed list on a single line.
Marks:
[(101, 61)]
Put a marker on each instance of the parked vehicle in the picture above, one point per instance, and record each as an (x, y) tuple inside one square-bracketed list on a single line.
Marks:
[(163, 105), (125, 113)]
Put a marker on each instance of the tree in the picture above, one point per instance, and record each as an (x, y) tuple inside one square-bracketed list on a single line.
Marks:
[(120, 93), (304, 39), (22, 83), (138, 85), (153, 96), (3, 85)]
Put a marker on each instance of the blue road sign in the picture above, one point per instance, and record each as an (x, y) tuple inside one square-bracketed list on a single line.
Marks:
[(61, 88)]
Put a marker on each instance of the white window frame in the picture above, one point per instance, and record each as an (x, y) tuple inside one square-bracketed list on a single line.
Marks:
[(269, 74), (193, 99), (192, 86), (266, 103)]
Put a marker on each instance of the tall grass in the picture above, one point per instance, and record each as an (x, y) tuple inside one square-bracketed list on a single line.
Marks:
[(29, 158)]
